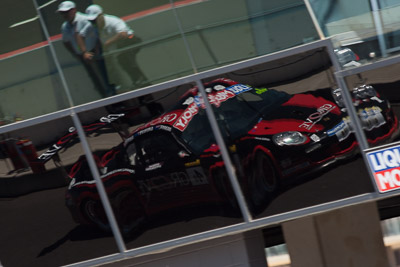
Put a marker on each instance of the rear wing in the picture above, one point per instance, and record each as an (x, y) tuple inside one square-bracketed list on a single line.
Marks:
[(72, 134)]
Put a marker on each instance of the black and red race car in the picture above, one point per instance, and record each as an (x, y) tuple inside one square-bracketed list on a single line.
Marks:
[(173, 161)]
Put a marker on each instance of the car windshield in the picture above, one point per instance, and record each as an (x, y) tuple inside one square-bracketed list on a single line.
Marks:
[(235, 116), (239, 114), (198, 135)]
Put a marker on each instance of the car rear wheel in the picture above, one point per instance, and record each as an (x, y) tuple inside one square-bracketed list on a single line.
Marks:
[(264, 181), (224, 187), (128, 211), (94, 212)]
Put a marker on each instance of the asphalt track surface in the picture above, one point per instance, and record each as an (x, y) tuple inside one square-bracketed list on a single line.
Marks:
[(39, 231)]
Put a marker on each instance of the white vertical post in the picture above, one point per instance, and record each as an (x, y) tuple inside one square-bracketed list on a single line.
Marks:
[(85, 145), (314, 19), (225, 155), (379, 27)]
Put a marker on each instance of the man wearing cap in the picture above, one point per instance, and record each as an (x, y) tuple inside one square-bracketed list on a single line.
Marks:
[(115, 34), (81, 39)]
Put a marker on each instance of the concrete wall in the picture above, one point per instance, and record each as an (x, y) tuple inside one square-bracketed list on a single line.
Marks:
[(240, 250)]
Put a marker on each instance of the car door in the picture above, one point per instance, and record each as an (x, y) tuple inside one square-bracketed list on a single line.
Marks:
[(167, 172)]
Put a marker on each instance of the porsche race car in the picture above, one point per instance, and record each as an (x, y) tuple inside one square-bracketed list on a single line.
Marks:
[(173, 161)]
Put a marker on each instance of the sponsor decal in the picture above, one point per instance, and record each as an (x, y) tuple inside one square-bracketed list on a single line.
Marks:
[(111, 117), (222, 95), (168, 118), (317, 116), (199, 101), (315, 138), (336, 129), (193, 163), (260, 91), (341, 130), (370, 117), (183, 121), (146, 130), (219, 97), (150, 129), (188, 101), (219, 87), (191, 177), (385, 167), (239, 88), (153, 167), (164, 128)]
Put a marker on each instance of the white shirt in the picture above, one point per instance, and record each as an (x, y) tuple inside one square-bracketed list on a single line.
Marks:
[(112, 26), (82, 26)]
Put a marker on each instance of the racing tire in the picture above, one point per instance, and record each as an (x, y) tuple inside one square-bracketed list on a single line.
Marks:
[(224, 187), (264, 181), (128, 211), (94, 213)]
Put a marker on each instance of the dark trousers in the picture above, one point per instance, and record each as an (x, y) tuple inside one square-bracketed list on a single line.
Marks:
[(97, 72)]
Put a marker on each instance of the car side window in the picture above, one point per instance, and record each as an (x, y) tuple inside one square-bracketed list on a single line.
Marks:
[(132, 153), (154, 148)]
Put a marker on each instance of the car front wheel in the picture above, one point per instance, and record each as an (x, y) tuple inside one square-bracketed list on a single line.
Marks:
[(263, 181)]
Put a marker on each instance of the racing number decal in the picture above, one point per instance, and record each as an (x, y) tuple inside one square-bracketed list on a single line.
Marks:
[(190, 177), (342, 130), (370, 117)]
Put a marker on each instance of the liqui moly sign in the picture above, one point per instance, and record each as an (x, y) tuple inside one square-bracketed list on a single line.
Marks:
[(385, 166)]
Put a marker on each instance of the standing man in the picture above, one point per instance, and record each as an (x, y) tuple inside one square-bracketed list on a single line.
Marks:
[(115, 34), (81, 40)]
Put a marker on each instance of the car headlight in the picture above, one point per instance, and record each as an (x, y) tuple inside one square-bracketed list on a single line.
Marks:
[(364, 91), (289, 138), (337, 95)]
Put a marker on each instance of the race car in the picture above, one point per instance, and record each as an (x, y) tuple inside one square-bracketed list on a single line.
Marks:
[(174, 162)]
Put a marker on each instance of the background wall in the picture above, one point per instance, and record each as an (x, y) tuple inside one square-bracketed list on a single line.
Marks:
[(219, 32)]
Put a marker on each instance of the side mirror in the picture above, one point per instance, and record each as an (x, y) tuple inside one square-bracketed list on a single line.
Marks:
[(183, 154)]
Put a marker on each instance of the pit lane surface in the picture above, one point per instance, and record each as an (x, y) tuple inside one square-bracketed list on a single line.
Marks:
[(37, 229)]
